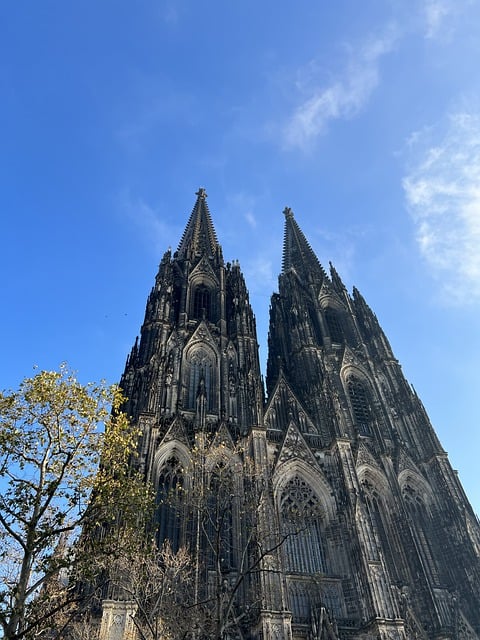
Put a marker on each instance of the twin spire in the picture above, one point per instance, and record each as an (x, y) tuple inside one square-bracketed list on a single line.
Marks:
[(199, 238)]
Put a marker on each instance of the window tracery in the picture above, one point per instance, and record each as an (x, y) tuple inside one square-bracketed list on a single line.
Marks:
[(202, 373), (360, 401), (334, 324), (169, 501), (299, 601), (380, 521), (424, 531), (202, 303), (218, 520), (301, 513)]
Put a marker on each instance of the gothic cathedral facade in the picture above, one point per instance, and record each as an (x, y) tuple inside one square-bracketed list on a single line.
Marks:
[(338, 513)]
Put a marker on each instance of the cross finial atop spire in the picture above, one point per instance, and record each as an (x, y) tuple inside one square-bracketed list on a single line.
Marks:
[(288, 213), (201, 193)]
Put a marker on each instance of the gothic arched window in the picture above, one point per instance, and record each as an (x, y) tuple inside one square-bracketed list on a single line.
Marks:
[(317, 332), (202, 303), (334, 324), (201, 373), (299, 601), (380, 517), (424, 530), (169, 501), (360, 401), (300, 509), (218, 519)]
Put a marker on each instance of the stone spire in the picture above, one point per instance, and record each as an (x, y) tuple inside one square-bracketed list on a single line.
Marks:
[(297, 252), (199, 237)]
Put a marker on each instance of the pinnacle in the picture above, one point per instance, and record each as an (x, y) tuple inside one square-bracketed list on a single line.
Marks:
[(199, 237), (297, 252)]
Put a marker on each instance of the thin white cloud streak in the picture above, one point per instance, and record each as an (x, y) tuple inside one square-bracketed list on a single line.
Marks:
[(440, 17), (260, 276), (435, 12), (243, 204), (338, 248), (350, 91), (343, 98), (171, 13), (250, 218), (443, 195), (156, 233)]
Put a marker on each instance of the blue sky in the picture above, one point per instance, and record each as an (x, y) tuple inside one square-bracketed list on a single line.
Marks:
[(362, 117)]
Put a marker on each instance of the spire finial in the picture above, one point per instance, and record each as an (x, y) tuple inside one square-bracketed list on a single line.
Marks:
[(201, 193), (288, 213)]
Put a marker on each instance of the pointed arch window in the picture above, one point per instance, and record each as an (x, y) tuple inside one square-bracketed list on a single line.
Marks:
[(169, 503), (218, 525), (334, 324), (315, 324), (381, 522), (201, 373), (424, 530), (202, 303), (360, 401), (301, 513), (299, 601)]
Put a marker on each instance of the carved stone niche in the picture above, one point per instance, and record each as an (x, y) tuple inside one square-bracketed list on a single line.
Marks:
[(276, 626), (117, 620)]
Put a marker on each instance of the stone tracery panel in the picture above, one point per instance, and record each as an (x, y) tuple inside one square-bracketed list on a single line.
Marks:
[(169, 501), (201, 370), (419, 500), (301, 520)]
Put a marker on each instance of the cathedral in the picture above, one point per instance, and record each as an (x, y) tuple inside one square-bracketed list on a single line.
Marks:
[(319, 505)]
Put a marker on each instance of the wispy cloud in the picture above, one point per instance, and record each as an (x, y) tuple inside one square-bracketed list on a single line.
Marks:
[(443, 195), (344, 97), (319, 103), (439, 16), (341, 249), (260, 276), (250, 218), (171, 12), (435, 11), (156, 233), (243, 204)]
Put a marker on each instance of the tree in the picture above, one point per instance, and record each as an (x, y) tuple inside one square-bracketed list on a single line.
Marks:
[(193, 592), (223, 503), (160, 584), (65, 478), (222, 506)]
